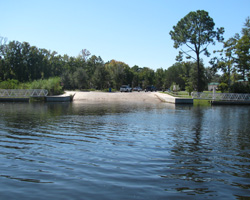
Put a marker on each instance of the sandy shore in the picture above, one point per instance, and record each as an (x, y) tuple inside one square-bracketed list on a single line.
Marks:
[(115, 96)]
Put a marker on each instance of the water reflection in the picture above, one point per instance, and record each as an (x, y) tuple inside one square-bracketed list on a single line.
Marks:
[(124, 151)]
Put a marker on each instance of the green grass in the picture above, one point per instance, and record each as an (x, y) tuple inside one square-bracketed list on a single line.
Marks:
[(197, 102), (201, 102), (212, 91), (181, 94)]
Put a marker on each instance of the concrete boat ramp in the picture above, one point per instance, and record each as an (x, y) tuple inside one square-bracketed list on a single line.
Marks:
[(175, 100), (68, 96)]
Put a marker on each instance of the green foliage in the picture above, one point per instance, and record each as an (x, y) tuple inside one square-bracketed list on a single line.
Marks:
[(194, 77), (119, 74), (239, 87), (189, 88), (223, 87), (174, 87), (243, 55), (175, 74), (107, 90), (9, 84), (235, 55), (201, 102), (30, 65), (80, 78), (53, 85), (195, 31)]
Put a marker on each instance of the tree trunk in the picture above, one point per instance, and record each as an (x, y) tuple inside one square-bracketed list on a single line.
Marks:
[(229, 78), (198, 74)]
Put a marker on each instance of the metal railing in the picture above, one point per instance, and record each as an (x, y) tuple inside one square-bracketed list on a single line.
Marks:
[(23, 93), (221, 96)]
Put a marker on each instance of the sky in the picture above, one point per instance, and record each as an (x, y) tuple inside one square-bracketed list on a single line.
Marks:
[(135, 32)]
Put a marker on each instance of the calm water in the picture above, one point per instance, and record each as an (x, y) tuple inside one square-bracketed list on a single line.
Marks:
[(124, 151)]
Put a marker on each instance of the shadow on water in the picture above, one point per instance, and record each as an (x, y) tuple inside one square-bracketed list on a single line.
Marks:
[(214, 150)]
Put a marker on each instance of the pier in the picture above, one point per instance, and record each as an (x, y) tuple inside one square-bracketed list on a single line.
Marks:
[(223, 98), (21, 95)]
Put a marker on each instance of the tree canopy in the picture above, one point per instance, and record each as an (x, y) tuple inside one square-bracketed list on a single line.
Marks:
[(23, 63), (196, 32), (234, 58)]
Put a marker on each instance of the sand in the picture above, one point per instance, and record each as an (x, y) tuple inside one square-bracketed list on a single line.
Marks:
[(114, 96)]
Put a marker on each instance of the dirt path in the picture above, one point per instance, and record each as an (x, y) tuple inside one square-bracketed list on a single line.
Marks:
[(115, 96)]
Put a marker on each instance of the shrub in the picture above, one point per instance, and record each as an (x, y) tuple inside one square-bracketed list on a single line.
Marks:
[(240, 88), (9, 84), (53, 85), (223, 87), (174, 87)]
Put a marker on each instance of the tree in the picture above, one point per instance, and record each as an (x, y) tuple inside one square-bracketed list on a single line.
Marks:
[(147, 76), (175, 74), (85, 54), (159, 78), (227, 58), (196, 32), (242, 50), (235, 55), (100, 77), (193, 77), (118, 72), (3, 70), (246, 29), (80, 78)]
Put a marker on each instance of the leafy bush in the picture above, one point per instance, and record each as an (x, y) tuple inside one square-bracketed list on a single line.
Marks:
[(240, 88), (53, 85), (9, 84), (223, 87), (107, 90), (174, 87)]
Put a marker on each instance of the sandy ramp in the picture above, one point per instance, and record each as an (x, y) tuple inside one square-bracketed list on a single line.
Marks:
[(115, 96)]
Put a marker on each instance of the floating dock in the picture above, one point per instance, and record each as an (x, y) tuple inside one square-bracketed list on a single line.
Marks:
[(58, 98), (230, 102), (8, 99)]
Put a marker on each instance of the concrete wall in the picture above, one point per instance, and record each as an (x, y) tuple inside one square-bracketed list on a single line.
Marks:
[(175, 100), (58, 98)]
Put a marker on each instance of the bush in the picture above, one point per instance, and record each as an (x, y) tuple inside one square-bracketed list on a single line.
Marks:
[(240, 88), (107, 90), (9, 84), (223, 87), (53, 85), (174, 87)]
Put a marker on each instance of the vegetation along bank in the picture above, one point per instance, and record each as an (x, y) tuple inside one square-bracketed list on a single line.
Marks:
[(23, 66)]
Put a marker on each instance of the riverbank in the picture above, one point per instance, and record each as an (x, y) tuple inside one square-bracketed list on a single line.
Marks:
[(114, 96), (94, 96)]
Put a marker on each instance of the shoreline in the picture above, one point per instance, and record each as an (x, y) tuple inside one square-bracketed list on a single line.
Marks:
[(114, 96)]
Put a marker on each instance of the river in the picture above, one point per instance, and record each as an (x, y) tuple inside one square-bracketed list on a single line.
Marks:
[(91, 150)]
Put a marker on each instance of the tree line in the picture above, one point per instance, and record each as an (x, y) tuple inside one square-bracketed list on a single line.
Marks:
[(25, 63)]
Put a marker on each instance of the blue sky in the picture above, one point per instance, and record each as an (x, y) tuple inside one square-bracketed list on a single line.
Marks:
[(132, 31)]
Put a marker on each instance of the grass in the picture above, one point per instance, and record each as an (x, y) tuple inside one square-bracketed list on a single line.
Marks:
[(181, 94), (212, 91), (197, 102), (201, 102)]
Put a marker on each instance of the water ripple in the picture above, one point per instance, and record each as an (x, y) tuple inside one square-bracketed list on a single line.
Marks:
[(131, 151)]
